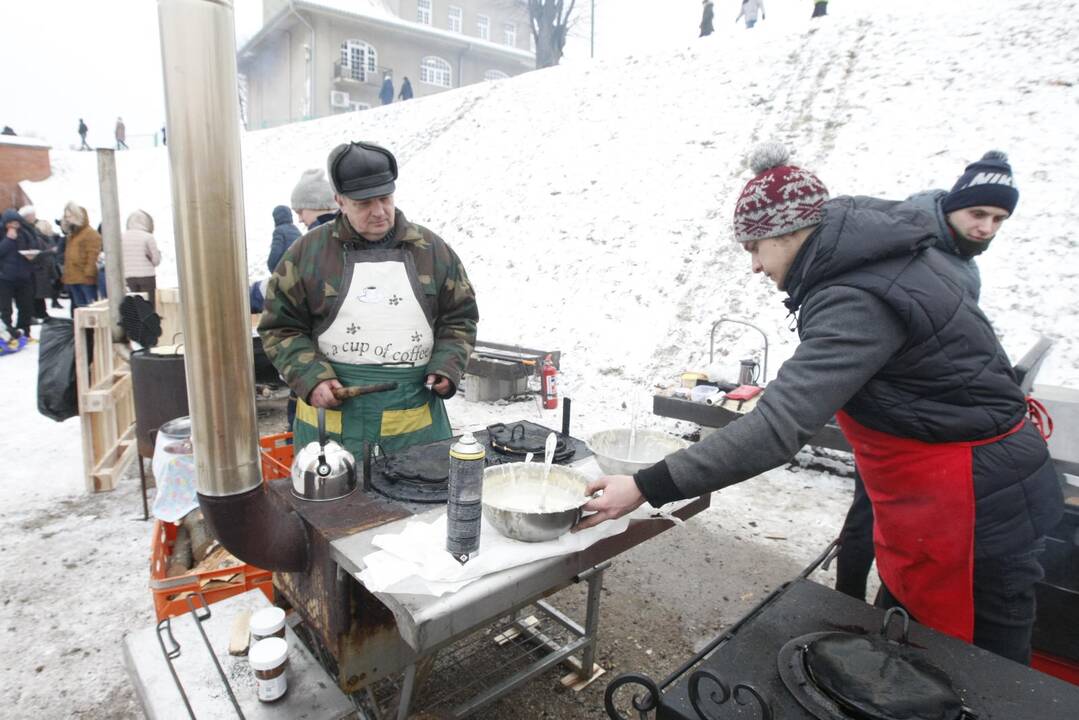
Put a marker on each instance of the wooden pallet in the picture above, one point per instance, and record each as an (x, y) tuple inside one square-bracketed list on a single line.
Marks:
[(106, 400)]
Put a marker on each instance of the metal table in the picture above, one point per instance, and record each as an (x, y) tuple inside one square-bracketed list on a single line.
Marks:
[(426, 623), (312, 693), (714, 416)]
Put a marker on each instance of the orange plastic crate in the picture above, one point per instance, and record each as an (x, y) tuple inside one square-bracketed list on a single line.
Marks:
[(276, 454), (170, 592)]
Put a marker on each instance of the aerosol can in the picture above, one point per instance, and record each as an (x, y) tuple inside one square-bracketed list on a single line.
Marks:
[(464, 504), (549, 384)]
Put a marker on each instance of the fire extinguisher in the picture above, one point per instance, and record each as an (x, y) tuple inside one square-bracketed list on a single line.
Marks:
[(549, 384)]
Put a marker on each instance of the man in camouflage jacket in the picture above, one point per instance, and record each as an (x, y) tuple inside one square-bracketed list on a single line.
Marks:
[(303, 296)]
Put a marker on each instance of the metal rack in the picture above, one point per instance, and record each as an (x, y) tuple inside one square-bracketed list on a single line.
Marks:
[(484, 666)]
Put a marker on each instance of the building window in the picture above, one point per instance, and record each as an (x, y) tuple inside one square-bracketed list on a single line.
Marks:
[(456, 18), (495, 75), (483, 27), (509, 33), (436, 71), (357, 59), (423, 11)]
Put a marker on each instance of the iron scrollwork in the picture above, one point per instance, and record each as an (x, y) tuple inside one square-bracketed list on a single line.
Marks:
[(742, 693), (642, 705)]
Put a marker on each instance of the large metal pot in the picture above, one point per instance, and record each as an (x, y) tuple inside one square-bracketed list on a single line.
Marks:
[(521, 505), (613, 452), (159, 387)]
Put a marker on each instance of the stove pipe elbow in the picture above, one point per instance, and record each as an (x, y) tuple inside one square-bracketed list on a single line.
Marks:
[(258, 530)]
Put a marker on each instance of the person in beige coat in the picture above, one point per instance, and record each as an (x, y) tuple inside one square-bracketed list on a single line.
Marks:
[(141, 255), (80, 257)]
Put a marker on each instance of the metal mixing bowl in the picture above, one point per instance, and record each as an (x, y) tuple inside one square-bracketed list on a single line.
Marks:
[(611, 448), (511, 495)]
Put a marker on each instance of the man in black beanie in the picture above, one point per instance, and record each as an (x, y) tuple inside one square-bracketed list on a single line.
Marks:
[(969, 216), (971, 213)]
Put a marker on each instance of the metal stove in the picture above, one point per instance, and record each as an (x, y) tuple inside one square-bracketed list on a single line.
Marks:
[(417, 477), (810, 653)]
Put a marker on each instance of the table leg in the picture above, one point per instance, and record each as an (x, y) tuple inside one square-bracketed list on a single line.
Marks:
[(591, 619)]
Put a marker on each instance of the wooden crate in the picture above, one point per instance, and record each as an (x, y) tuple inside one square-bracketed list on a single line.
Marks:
[(106, 400)]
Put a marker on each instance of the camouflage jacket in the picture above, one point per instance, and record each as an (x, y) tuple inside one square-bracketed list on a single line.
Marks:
[(304, 287)]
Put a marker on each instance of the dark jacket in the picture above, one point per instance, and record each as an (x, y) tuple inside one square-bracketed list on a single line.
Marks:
[(889, 335), (929, 201), (406, 90), (386, 93), (706, 19), (13, 266), (284, 234), (322, 220)]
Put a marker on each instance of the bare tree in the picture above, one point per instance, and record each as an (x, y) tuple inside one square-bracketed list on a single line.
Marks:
[(550, 24)]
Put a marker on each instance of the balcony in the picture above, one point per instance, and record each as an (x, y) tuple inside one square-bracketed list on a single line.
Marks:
[(347, 76)]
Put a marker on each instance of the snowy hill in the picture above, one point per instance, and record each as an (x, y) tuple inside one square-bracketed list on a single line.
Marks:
[(591, 204)]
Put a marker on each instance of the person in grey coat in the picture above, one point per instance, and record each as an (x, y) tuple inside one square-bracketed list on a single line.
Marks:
[(963, 488), (284, 234), (706, 18)]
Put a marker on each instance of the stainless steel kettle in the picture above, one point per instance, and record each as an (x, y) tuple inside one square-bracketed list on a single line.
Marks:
[(323, 469)]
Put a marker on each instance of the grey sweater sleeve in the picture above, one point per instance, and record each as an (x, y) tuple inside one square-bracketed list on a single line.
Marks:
[(847, 336)]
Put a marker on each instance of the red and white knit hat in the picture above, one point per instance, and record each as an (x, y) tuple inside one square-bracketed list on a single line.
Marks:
[(780, 199)]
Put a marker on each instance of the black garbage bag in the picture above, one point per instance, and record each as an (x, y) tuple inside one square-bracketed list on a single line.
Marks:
[(57, 393)]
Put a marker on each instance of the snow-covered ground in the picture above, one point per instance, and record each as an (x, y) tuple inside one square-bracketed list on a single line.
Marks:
[(591, 205)]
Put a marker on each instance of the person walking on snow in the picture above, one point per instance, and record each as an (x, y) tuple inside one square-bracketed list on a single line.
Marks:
[(82, 135), (706, 18), (121, 134), (17, 271), (749, 12), (386, 93), (820, 9), (406, 89), (962, 485)]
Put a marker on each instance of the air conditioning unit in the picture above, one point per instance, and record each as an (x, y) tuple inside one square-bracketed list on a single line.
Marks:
[(338, 99)]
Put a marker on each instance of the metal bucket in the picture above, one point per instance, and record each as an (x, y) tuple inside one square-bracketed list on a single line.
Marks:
[(160, 391)]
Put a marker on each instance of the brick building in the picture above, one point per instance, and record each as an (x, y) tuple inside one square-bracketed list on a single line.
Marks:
[(21, 159)]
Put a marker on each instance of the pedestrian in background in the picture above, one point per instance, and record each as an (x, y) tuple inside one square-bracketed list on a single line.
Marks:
[(706, 18), (140, 254), (386, 93), (80, 255), (284, 234), (312, 199), (121, 134), (82, 135), (406, 89), (16, 271), (820, 8), (749, 11)]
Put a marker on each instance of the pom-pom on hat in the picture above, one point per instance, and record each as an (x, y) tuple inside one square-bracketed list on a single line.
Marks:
[(988, 181), (780, 199)]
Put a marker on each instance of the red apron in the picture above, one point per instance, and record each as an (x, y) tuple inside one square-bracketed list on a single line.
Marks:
[(923, 512)]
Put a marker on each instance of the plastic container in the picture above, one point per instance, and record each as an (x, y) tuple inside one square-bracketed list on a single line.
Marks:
[(269, 660), (169, 593), (266, 623), (276, 453)]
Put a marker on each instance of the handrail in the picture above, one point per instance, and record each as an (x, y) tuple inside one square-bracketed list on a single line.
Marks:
[(712, 343)]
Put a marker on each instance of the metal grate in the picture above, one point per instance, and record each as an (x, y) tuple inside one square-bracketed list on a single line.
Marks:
[(486, 664)]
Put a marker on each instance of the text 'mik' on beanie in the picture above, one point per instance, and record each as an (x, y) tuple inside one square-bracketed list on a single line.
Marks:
[(780, 199), (988, 181)]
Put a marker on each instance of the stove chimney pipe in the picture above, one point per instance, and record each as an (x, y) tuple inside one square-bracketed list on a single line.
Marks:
[(198, 54)]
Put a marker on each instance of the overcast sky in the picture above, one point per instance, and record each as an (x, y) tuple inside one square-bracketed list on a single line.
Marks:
[(65, 59)]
